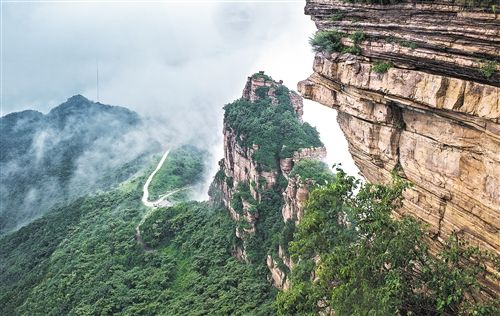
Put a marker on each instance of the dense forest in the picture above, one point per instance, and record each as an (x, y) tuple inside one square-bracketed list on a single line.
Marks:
[(107, 253), (84, 259), (372, 263), (80, 147)]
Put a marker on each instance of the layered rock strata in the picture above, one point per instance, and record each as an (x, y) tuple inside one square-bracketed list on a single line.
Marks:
[(433, 116), (239, 166)]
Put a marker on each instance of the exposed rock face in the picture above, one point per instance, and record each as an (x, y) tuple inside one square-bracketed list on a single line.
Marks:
[(433, 116), (278, 277), (295, 197), (238, 166)]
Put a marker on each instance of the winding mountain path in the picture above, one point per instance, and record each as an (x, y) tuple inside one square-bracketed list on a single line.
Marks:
[(162, 201), (145, 189)]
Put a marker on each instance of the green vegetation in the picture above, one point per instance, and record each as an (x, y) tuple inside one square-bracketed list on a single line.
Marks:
[(25, 254), (261, 75), (337, 16), (274, 128), (402, 42), (241, 194), (331, 41), (355, 50), (314, 170), (268, 228), (488, 68), (83, 259), (52, 159), (328, 41), (382, 66), (262, 92), (184, 166), (357, 37), (374, 264)]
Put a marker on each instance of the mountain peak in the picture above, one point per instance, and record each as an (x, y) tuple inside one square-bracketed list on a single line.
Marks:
[(78, 98)]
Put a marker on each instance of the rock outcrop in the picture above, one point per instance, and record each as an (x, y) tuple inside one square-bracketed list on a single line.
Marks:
[(433, 116), (241, 179)]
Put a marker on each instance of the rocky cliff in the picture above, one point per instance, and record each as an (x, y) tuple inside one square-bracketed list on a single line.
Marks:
[(254, 174), (419, 95)]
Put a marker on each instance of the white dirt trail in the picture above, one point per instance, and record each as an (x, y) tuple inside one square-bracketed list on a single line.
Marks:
[(145, 189), (152, 205)]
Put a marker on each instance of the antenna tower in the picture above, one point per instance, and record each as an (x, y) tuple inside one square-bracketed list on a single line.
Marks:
[(97, 78)]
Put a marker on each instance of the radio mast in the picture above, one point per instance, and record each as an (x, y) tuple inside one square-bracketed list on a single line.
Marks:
[(97, 77)]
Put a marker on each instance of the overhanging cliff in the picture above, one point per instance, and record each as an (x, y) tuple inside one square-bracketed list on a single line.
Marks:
[(419, 95)]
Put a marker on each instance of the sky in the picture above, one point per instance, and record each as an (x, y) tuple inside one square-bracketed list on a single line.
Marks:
[(178, 62)]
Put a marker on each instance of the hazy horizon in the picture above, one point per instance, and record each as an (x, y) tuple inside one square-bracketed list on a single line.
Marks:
[(177, 62)]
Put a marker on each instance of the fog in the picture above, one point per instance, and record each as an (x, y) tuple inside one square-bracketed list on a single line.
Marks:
[(176, 63)]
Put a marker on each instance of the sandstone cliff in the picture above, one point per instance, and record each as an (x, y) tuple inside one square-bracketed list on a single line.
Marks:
[(243, 180), (433, 116)]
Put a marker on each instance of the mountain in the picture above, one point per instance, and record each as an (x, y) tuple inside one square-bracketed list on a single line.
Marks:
[(79, 147), (282, 234)]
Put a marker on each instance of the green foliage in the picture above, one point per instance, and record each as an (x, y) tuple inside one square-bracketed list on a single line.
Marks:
[(488, 68), (357, 37), (372, 263), (328, 41), (184, 166), (25, 255), (230, 182), (382, 66), (49, 160), (402, 42), (220, 176), (409, 44), (242, 193), (355, 50), (261, 75), (261, 92), (84, 260), (268, 228), (312, 169), (287, 235), (274, 128), (337, 16)]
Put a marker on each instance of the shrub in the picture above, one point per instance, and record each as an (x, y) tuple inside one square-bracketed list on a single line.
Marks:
[(355, 50), (402, 42), (357, 37), (488, 68), (328, 41), (314, 170), (261, 75), (409, 44), (337, 16), (381, 67)]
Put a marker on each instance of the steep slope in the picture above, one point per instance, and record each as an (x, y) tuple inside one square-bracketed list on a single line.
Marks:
[(77, 148), (421, 98), (264, 138), (83, 259)]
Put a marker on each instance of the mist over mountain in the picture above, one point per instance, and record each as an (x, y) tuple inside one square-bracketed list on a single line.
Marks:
[(79, 147)]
